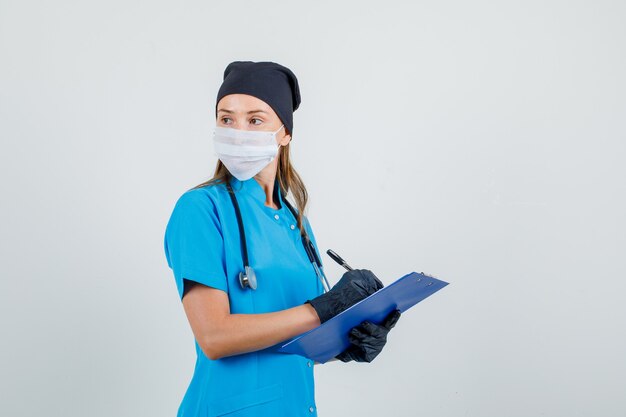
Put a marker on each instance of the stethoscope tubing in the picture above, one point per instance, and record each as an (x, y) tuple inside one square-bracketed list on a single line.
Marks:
[(309, 248)]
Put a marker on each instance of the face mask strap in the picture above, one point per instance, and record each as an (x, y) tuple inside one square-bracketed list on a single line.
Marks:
[(278, 149), (283, 125)]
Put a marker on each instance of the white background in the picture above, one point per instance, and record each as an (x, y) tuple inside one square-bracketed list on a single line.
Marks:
[(482, 142)]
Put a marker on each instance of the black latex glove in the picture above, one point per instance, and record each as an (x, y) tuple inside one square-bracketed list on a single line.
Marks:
[(368, 339), (353, 286)]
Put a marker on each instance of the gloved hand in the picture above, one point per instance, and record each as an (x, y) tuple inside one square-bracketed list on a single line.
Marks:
[(353, 286), (368, 339)]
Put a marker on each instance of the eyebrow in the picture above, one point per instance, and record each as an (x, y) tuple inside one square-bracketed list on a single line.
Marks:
[(251, 111)]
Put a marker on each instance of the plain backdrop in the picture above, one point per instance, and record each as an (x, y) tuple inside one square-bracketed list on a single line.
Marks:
[(482, 142)]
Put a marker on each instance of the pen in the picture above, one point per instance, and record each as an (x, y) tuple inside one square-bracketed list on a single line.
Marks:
[(338, 259)]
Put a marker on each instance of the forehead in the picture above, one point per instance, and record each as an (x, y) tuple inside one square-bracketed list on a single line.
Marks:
[(242, 103)]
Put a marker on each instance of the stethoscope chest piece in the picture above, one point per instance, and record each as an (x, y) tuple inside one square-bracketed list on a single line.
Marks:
[(247, 278)]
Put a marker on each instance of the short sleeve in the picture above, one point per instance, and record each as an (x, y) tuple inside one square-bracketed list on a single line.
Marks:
[(193, 243)]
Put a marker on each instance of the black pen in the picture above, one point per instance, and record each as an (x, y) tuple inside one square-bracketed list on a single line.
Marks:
[(338, 259)]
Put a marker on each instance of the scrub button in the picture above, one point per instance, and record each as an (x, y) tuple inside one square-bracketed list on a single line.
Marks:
[(311, 409), (308, 363), (276, 216), (292, 227)]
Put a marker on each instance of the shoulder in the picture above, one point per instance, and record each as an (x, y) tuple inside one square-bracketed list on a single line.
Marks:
[(199, 206), (208, 198)]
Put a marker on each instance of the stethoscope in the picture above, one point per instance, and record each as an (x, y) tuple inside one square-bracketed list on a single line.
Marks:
[(247, 277)]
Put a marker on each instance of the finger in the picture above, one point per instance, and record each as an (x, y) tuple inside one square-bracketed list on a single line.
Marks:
[(357, 334), (371, 355), (372, 349), (370, 328), (379, 283), (376, 284), (348, 355), (361, 289), (356, 350), (356, 341), (392, 319)]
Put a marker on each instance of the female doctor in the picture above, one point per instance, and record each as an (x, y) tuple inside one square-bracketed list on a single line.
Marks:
[(246, 263)]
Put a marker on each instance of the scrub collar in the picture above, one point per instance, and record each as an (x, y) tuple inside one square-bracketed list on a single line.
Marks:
[(252, 188)]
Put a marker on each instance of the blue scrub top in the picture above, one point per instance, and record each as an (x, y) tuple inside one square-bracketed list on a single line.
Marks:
[(202, 244)]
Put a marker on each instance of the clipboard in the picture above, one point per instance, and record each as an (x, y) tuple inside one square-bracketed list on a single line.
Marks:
[(331, 338)]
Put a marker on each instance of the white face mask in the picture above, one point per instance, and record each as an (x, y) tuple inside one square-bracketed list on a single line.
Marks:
[(245, 152)]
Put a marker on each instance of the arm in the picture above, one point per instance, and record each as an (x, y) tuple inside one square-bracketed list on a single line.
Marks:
[(220, 333)]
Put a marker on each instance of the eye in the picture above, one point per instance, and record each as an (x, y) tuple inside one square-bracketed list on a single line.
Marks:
[(255, 118), (224, 120)]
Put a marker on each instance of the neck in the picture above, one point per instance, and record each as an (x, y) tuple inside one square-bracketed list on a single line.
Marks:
[(266, 179)]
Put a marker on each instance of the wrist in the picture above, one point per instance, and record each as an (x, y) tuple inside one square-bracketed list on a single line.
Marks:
[(314, 318)]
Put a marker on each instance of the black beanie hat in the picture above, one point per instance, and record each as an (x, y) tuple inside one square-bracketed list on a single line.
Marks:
[(271, 82)]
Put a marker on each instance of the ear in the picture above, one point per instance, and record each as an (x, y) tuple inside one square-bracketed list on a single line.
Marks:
[(285, 140)]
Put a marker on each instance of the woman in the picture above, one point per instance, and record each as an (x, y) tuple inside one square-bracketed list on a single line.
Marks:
[(235, 320)]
